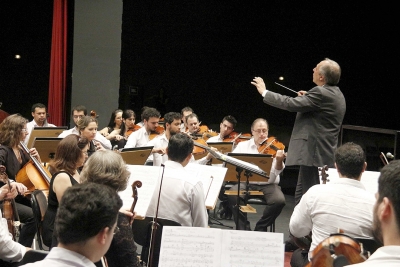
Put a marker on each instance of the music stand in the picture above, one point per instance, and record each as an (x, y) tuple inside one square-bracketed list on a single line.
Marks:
[(46, 147), (223, 147), (136, 155), (45, 132)]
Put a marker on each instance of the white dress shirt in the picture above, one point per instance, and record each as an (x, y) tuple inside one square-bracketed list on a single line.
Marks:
[(61, 257), (325, 208), (386, 256), (182, 198), (251, 148), (160, 141), (138, 138), (32, 124), (9, 249)]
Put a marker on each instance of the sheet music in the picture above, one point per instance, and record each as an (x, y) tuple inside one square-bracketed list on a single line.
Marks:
[(212, 247), (211, 186), (149, 176), (237, 162), (369, 179)]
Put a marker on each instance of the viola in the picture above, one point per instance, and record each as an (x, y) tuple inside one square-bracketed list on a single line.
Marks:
[(271, 146), (33, 175), (10, 212), (159, 130), (338, 247)]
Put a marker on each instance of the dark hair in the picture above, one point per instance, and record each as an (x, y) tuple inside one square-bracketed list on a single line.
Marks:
[(68, 153), (171, 116), (141, 112), (350, 160), (231, 120), (10, 130), (111, 123), (85, 210), (38, 105), (180, 146), (389, 186), (126, 115), (331, 71), (79, 108), (150, 113), (193, 115)]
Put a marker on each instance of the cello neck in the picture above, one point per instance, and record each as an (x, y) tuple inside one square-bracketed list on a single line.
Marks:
[(37, 164)]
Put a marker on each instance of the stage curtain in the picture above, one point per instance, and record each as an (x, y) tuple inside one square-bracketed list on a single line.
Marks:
[(58, 65)]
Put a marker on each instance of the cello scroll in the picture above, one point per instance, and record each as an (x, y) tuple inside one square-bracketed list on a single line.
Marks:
[(135, 185)]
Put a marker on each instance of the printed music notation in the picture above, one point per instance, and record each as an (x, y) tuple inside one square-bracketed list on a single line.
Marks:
[(211, 247)]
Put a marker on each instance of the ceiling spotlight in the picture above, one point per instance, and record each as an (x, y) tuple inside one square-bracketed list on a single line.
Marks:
[(281, 78), (17, 56)]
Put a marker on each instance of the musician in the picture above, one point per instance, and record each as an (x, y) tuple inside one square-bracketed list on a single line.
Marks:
[(386, 218), (13, 130), (128, 126), (184, 113), (320, 113), (226, 127), (343, 204), (272, 192), (193, 124), (108, 168), (10, 251), (87, 127), (71, 154), (113, 129), (182, 198), (85, 225), (141, 122), (39, 114), (141, 137)]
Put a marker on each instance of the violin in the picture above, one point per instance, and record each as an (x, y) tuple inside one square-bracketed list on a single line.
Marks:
[(271, 146), (159, 130), (338, 247), (131, 130), (209, 134), (93, 114), (199, 150), (10, 212)]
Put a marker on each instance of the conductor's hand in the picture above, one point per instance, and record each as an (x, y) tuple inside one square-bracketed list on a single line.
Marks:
[(258, 82)]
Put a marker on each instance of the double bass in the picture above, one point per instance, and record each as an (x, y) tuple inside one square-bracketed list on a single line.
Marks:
[(33, 175)]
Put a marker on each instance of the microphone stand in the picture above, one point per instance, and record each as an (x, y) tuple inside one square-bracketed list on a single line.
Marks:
[(154, 225)]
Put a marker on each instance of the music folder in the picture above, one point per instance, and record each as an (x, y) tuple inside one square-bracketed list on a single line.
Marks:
[(260, 161), (136, 155), (46, 147), (223, 147), (45, 132)]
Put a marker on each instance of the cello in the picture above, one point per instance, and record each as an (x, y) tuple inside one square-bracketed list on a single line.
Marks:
[(10, 212), (33, 175)]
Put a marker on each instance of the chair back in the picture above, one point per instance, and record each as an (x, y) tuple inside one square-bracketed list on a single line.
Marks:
[(39, 207), (33, 256), (142, 231)]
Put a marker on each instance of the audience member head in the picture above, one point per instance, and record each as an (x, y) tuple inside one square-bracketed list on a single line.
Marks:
[(13, 130), (387, 206), (180, 148), (71, 153), (86, 219), (350, 160), (106, 167)]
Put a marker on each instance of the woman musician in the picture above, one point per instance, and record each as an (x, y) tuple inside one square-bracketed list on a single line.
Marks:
[(13, 130)]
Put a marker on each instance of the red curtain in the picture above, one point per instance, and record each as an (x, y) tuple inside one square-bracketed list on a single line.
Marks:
[(58, 65)]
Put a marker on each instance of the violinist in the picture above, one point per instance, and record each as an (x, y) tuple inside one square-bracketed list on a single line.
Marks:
[(112, 131), (128, 126), (226, 127), (271, 190), (386, 222), (10, 251), (39, 114), (184, 113), (13, 130), (141, 137), (325, 208), (193, 124)]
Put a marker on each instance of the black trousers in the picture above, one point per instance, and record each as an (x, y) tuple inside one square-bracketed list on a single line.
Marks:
[(308, 176)]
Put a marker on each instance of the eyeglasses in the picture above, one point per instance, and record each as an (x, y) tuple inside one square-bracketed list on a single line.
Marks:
[(25, 130), (260, 131), (116, 230)]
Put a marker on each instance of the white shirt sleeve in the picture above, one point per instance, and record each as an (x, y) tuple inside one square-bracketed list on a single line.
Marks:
[(198, 209), (9, 249), (105, 143)]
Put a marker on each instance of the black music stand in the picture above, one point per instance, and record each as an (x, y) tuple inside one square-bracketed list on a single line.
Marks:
[(46, 147), (250, 169), (136, 155), (44, 132)]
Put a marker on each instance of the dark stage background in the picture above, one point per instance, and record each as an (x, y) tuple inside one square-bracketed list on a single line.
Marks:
[(204, 54)]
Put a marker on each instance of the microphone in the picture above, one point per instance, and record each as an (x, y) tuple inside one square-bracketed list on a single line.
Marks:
[(389, 155)]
